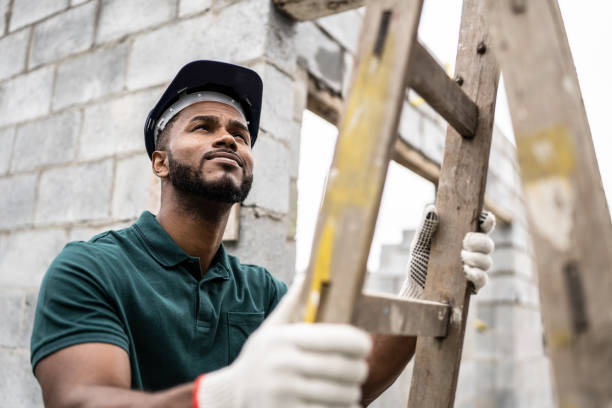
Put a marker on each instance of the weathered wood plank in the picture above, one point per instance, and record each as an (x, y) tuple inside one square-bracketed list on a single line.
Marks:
[(415, 161), (403, 317), (459, 201), (442, 93), (567, 210), (367, 135), (304, 10), (323, 101)]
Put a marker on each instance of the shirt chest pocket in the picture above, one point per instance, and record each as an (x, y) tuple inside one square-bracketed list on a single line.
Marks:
[(240, 327)]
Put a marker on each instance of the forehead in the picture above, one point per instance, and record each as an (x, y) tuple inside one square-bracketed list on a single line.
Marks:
[(211, 108)]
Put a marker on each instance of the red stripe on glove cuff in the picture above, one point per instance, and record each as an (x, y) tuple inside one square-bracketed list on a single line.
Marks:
[(196, 387)]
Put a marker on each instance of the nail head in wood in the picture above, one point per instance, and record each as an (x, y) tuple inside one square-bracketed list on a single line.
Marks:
[(459, 80), (481, 48)]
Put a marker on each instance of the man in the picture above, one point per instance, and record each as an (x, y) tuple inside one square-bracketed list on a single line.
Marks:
[(133, 317)]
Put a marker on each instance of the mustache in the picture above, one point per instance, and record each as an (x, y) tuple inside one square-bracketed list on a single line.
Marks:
[(213, 153)]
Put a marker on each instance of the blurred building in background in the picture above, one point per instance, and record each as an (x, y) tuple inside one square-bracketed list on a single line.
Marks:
[(77, 79)]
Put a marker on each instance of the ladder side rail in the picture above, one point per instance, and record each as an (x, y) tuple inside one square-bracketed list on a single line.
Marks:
[(567, 212), (459, 202), (367, 134)]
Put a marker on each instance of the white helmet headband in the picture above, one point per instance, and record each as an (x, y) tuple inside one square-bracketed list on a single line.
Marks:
[(186, 100)]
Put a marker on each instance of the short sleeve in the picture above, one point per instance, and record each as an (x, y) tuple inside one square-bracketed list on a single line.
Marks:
[(74, 305), (278, 289)]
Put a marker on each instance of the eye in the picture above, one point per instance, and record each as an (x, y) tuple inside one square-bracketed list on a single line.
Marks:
[(240, 135), (204, 127)]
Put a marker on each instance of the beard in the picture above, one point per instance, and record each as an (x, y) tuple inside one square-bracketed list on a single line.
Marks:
[(188, 180)]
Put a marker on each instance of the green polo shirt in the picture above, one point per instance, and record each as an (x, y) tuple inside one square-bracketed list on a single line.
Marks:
[(137, 289)]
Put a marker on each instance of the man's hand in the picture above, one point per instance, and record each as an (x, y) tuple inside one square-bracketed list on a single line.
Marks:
[(291, 365), (476, 253)]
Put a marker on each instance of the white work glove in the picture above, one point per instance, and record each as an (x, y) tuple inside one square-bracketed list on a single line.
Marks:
[(291, 365), (476, 253)]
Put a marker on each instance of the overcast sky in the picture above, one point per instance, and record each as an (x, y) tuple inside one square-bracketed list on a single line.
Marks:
[(589, 29)]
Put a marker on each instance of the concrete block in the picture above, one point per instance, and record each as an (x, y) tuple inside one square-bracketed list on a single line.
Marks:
[(147, 68), (262, 241), (24, 13), (131, 186), (7, 137), (188, 7), (90, 76), (26, 255), (513, 260), (86, 233), (344, 28), (270, 177), (236, 34), (503, 288), (116, 126), (17, 93), (528, 331), (486, 374), (17, 200), (466, 381), (119, 17), (4, 7), (324, 56), (19, 387), (49, 141), (277, 103), (62, 35), (280, 40), (16, 46), (27, 319), (11, 305), (506, 398), (75, 193)]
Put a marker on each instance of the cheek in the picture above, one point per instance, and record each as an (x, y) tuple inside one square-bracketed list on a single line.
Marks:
[(248, 160), (187, 148)]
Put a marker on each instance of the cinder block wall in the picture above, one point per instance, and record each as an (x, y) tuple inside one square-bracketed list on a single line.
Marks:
[(77, 79)]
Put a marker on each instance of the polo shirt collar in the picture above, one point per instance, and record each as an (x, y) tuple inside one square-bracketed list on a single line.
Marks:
[(162, 247)]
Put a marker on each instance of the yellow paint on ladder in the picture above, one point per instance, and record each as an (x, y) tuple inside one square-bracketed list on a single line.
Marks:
[(321, 272), (354, 177)]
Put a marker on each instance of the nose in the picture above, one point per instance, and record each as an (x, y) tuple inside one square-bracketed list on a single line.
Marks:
[(225, 139)]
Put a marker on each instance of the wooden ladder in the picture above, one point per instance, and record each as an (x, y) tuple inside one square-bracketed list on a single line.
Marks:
[(568, 214)]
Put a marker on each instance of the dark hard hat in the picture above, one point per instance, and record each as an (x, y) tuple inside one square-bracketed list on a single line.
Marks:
[(242, 84)]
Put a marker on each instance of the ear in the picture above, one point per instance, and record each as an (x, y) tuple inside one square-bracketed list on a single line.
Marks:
[(159, 163)]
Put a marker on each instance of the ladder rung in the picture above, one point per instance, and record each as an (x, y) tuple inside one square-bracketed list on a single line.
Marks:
[(405, 317), (441, 92)]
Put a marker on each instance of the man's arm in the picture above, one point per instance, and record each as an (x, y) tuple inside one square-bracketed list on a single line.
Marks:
[(390, 354), (98, 375), (386, 361)]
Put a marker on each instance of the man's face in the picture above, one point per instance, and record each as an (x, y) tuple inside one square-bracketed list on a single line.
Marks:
[(209, 153)]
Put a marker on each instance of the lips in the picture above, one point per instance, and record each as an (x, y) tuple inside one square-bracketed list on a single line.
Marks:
[(225, 155)]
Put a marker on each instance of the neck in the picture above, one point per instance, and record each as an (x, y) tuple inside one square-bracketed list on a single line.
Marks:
[(194, 223)]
